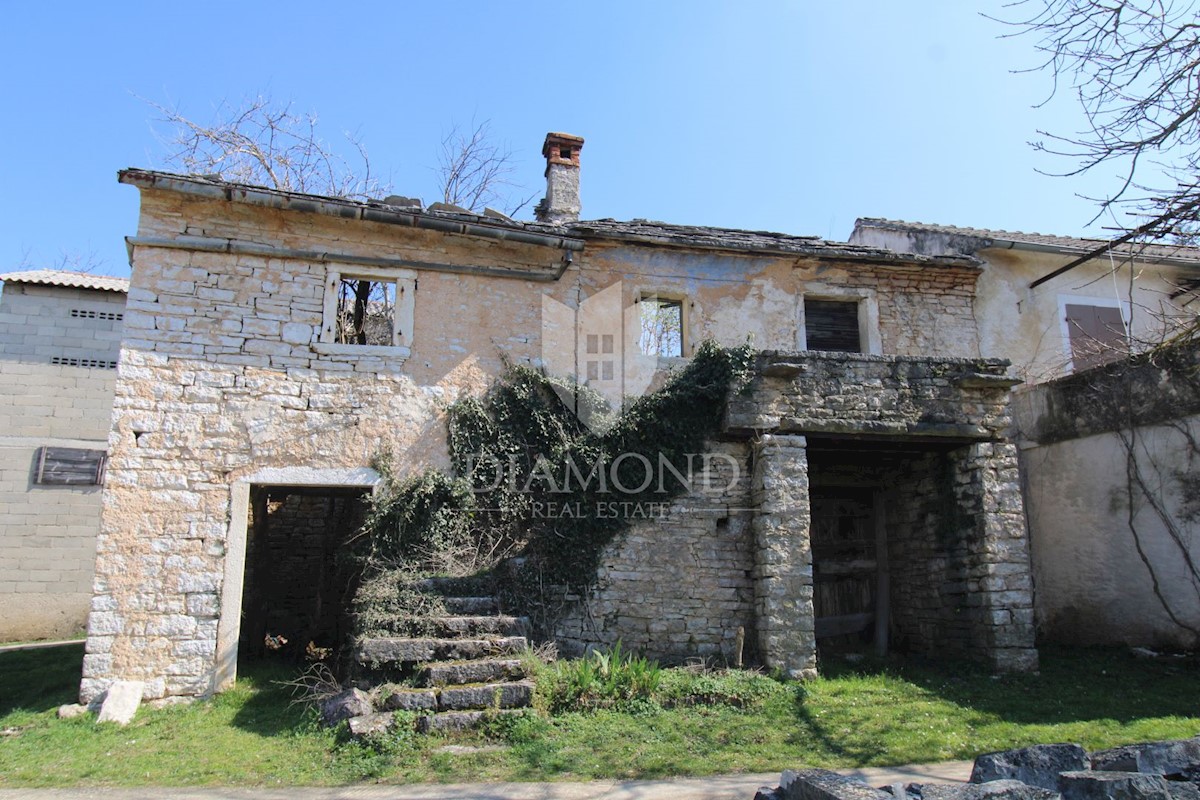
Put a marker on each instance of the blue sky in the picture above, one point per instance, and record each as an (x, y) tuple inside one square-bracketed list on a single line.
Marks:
[(787, 116)]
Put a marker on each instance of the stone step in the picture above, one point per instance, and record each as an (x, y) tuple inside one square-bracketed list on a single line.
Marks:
[(517, 694), (455, 587), (481, 625), (396, 651), (459, 720), (470, 605), (409, 700), (449, 674)]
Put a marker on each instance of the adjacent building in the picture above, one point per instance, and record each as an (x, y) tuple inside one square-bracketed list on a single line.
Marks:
[(60, 335)]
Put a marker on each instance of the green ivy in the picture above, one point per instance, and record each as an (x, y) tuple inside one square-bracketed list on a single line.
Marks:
[(512, 453)]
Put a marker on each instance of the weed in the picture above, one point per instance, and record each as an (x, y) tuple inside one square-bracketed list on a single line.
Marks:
[(610, 679)]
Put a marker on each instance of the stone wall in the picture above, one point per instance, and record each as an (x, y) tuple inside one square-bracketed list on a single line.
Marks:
[(783, 556), (926, 582), (48, 532), (958, 553), (680, 586), (851, 393), (957, 550)]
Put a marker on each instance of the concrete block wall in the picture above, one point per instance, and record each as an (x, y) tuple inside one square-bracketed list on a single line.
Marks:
[(37, 324), (48, 532)]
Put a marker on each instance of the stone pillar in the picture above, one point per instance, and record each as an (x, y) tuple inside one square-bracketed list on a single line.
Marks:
[(999, 578), (783, 577)]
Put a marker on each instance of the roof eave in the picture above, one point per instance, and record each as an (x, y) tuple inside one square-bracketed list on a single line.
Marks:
[(829, 250), (341, 208), (1038, 247)]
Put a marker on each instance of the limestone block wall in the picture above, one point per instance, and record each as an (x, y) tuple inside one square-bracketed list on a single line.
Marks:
[(927, 582), (838, 393), (958, 553), (912, 310), (185, 432), (48, 532), (680, 586), (999, 583)]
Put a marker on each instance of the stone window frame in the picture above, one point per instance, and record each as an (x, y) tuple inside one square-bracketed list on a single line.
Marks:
[(869, 338), (686, 343), (1064, 328), (229, 623), (405, 281)]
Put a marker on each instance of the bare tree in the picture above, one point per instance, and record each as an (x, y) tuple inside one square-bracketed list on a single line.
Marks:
[(474, 172), (1134, 67), (266, 143)]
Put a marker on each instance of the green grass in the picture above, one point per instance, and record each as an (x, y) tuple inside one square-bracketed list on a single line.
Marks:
[(892, 712)]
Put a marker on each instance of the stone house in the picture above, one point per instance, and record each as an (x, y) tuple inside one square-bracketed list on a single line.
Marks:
[(275, 342), (1106, 452), (60, 334)]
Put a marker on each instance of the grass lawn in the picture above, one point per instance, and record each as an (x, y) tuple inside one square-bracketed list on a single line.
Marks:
[(891, 712)]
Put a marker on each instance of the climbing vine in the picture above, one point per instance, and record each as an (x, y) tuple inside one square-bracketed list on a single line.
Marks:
[(1159, 386), (532, 485)]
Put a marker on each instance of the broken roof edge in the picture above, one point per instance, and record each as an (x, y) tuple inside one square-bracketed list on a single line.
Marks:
[(738, 240), (570, 237), (68, 279), (343, 208), (1175, 255)]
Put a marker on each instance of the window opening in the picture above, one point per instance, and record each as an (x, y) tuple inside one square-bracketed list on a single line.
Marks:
[(832, 325), (662, 327), (366, 312)]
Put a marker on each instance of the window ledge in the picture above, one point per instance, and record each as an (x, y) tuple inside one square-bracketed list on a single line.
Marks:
[(375, 350)]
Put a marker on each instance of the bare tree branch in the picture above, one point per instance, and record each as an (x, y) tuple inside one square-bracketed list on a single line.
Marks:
[(266, 143), (1134, 67), (473, 171)]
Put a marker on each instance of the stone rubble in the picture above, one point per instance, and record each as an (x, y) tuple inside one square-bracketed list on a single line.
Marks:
[(1146, 771), (121, 702)]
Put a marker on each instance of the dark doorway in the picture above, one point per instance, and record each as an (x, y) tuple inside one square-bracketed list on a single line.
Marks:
[(889, 550), (299, 579), (846, 552)]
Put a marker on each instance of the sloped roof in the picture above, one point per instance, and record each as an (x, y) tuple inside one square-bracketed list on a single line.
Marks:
[(1064, 244), (61, 277)]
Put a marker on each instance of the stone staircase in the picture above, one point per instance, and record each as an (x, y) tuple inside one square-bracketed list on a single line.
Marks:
[(464, 665)]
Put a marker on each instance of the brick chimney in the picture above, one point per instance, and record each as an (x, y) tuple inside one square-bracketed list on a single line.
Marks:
[(561, 203)]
